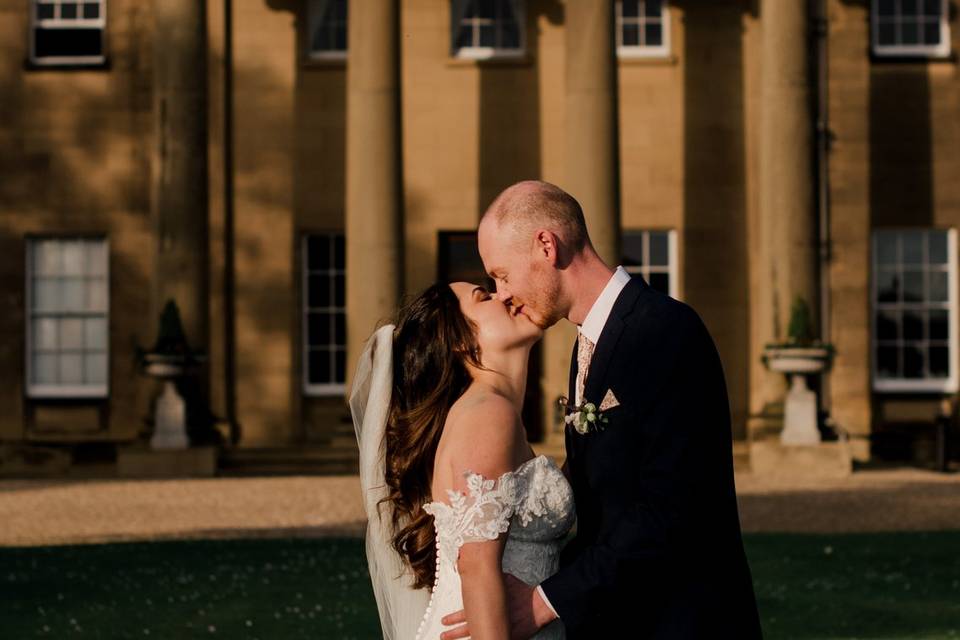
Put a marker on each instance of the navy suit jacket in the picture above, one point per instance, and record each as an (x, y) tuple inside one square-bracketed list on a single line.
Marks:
[(658, 551)]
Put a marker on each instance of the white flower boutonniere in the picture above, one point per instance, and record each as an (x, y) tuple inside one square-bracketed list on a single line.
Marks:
[(584, 417)]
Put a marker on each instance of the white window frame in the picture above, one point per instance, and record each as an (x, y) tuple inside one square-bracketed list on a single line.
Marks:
[(332, 388), (941, 50), (477, 52), (60, 23), (907, 385), (34, 390), (646, 268), (642, 51), (315, 11)]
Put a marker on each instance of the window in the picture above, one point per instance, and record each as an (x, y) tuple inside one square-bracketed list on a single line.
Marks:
[(458, 259), (910, 28), (327, 20), (642, 28), (67, 318), (67, 31), (487, 28), (324, 314), (652, 254), (914, 310)]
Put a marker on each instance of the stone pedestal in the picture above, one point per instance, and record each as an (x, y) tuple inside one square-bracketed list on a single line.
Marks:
[(800, 414), (140, 462), (170, 420)]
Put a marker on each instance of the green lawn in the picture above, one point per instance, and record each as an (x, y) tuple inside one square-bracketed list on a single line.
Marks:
[(903, 585)]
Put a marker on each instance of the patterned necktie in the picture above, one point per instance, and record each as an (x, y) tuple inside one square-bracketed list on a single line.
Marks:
[(584, 353)]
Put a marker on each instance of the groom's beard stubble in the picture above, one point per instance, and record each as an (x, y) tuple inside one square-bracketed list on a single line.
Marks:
[(544, 300)]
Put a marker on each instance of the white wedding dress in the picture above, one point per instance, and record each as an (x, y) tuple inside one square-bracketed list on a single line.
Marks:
[(533, 503)]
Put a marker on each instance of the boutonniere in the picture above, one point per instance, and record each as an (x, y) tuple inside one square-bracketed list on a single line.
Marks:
[(584, 417)]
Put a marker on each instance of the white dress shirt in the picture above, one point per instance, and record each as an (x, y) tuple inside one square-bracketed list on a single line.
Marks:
[(592, 327)]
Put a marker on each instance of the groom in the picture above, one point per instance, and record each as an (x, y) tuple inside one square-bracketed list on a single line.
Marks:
[(658, 551)]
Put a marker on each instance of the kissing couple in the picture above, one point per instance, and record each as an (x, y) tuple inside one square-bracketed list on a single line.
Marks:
[(466, 524)]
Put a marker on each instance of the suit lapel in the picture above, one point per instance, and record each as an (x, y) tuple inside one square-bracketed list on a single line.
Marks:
[(609, 337), (572, 386)]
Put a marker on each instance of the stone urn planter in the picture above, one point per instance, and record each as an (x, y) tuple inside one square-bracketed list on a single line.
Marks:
[(800, 406), (170, 413), (169, 360)]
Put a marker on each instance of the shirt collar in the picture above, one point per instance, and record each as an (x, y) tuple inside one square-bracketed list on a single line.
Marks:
[(597, 316)]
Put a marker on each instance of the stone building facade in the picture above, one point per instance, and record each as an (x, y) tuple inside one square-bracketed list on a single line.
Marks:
[(287, 170)]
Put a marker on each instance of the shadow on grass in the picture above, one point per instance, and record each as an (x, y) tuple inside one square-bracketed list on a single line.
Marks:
[(893, 585)]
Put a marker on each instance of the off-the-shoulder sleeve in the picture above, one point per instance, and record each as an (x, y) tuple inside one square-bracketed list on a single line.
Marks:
[(481, 515)]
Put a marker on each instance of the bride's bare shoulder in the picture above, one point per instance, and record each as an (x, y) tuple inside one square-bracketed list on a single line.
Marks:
[(483, 433)]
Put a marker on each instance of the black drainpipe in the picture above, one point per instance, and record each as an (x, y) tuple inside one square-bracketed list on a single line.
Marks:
[(823, 139)]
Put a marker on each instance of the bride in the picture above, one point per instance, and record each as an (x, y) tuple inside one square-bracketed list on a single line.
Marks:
[(454, 495)]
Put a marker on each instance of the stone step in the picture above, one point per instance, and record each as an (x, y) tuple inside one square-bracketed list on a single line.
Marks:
[(306, 460)]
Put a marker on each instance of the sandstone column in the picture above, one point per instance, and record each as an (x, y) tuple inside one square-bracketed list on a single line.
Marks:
[(591, 117), (373, 215), (592, 169), (787, 257), (180, 164)]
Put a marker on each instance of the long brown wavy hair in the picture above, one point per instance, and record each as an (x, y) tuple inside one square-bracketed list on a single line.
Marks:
[(432, 344)]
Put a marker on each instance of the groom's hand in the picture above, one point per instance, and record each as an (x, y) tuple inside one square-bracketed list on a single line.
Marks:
[(528, 612)]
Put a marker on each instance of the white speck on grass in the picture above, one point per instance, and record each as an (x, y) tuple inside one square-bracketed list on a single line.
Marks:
[(827, 550), (212, 629)]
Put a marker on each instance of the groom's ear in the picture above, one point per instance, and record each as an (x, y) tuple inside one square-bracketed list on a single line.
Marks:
[(546, 246)]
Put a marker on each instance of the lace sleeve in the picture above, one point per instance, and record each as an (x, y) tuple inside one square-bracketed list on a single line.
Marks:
[(482, 515)]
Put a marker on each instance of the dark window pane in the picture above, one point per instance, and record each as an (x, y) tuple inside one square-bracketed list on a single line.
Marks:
[(485, 8), (913, 286), (939, 329), (912, 362), (91, 11), (341, 367), (460, 259), (339, 10), (487, 37), (908, 7), (887, 249), (938, 286), (913, 322), (888, 325), (886, 34), (631, 35), (510, 36), (653, 34), (340, 329), (913, 247), (631, 8), (339, 288), (931, 33), (44, 11), (318, 253), (632, 250), (340, 38), (653, 8), (887, 365), (318, 330), (933, 8), (322, 39), (938, 247), (939, 362), (660, 282), (464, 37), (68, 10), (659, 249), (339, 252), (67, 42), (909, 32), (318, 365), (886, 7), (888, 286), (318, 291)]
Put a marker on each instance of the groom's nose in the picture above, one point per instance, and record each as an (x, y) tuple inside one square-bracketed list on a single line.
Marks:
[(503, 295)]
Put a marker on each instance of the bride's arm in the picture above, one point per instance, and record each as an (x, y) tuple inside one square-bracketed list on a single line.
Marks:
[(487, 444)]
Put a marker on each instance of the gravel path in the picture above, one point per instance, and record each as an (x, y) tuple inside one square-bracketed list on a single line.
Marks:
[(34, 512)]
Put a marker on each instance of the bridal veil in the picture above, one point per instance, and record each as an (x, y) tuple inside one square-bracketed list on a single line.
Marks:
[(401, 607)]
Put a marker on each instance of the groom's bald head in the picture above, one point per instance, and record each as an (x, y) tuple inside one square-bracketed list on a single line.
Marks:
[(523, 208)]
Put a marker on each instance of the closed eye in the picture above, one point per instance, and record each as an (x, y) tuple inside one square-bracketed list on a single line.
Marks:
[(484, 294)]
